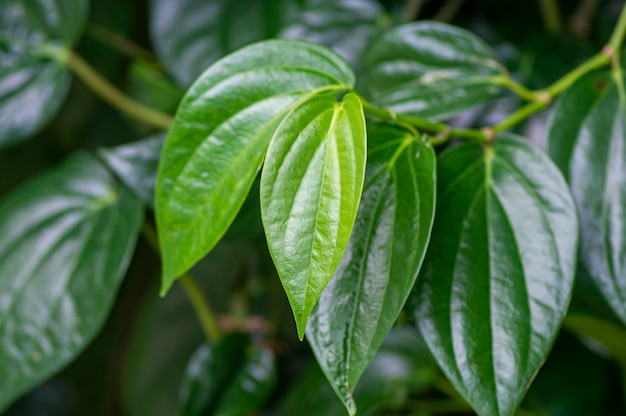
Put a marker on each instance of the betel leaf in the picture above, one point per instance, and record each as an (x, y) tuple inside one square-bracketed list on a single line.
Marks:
[(136, 164), (587, 139), (67, 239), (365, 296), (430, 70), (214, 28), (33, 79), (231, 377), (499, 270), (220, 134), (310, 190)]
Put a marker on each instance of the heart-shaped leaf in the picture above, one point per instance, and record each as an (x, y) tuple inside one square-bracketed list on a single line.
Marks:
[(67, 240), (220, 134), (33, 78), (310, 191), (499, 270), (217, 27), (365, 296), (229, 378), (587, 139), (430, 70)]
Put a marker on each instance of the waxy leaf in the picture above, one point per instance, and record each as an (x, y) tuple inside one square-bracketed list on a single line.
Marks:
[(499, 270), (587, 139), (220, 134), (365, 296), (310, 190), (33, 78), (231, 377), (430, 70), (217, 27), (136, 164), (67, 239)]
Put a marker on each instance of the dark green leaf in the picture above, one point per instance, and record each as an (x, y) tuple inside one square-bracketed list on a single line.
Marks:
[(166, 331), (402, 366), (499, 270), (33, 79), (67, 240), (231, 377), (430, 70), (381, 262), (136, 164), (214, 28), (310, 190), (150, 86), (587, 139), (220, 134)]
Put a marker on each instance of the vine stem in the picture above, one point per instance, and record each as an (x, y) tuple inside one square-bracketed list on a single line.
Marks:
[(109, 93), (119, 42), (551, 15), (199, 303)]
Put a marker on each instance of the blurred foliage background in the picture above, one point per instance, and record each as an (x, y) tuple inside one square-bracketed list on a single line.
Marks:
[(135, 365)]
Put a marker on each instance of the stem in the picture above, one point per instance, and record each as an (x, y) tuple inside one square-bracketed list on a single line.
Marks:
[(448, 11), (551, 15), (598, 61), (119, 42), (617, 38), (412, 9), (516, 87), (198, 302), (109, 93), (519, 116)]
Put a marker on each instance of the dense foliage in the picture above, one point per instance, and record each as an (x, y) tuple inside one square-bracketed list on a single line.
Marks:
[(439, 210)]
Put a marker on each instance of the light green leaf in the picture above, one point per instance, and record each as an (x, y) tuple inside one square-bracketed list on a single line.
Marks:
[(365, 296), (310, 190), (229, 378), (33, 79), (587, 139), (220, 134), (67, 239), (499, 270), (217, 27), (430, 70)]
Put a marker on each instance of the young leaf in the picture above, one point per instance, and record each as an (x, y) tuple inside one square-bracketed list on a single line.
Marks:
[(136, 164), (67, 239), (499, 270), (587, 138), (430, 70), (221, 131), (310, 190), (230, 378), (33, 79), (384, 254), (214, 28)]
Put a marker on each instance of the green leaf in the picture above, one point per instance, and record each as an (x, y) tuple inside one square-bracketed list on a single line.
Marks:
[(231, 377), (214, 28), (220, 134), (33, 78), (67, 239), (499, 270), (430, 70), (365, 296), (136, 164), (310, 190), (150, 86), (587, 139)]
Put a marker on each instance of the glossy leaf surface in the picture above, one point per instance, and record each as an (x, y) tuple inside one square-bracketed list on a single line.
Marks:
[(310, 190), (430, 70), (365, 296), (231, 377), (499, 270), (136, 164), (67, 239), (33, 82), (219, 137), (215, 28), (587, 139)]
